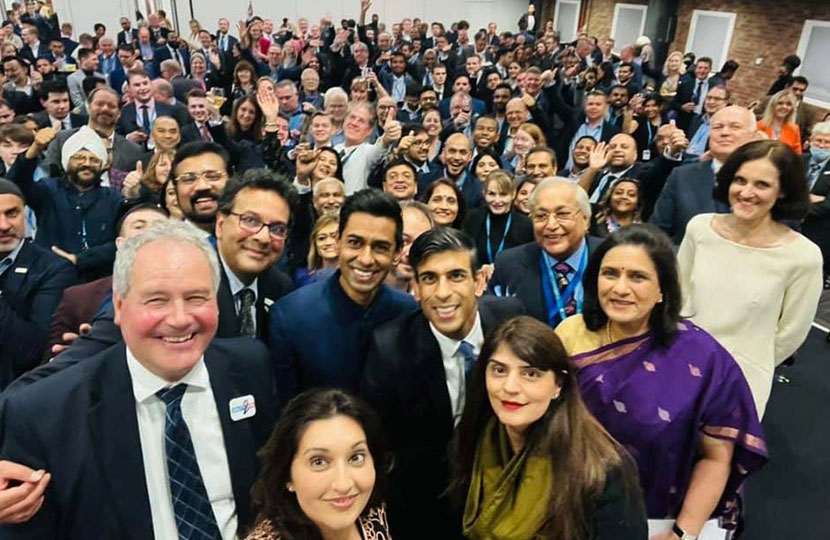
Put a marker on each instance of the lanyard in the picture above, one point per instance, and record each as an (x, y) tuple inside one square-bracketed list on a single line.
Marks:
[(490, 257), (551, 290), (650, 136), (345, 159)]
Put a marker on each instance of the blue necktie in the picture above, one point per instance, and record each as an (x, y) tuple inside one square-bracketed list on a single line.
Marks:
[(470, 358), (194, 515)]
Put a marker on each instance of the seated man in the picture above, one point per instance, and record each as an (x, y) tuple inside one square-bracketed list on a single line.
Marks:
[(32, 280), (155, 438)]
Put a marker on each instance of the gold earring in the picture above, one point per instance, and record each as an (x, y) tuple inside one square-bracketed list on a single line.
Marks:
[(289, 487)]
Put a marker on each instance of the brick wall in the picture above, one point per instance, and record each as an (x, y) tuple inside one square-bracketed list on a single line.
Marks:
[(767, 28), (600, 16)]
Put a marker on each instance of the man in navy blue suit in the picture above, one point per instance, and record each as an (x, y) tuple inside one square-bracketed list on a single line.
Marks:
[(319, 332), (32, 280), (688, 189), (155, 437), (456, 155)]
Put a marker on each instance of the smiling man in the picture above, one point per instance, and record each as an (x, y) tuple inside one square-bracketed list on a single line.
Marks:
[(153, 413), (343, 308), (399, 181), (415, 377), (200, 172), (546, 274)]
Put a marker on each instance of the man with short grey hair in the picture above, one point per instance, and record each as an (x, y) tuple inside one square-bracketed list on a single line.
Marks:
[(166, 425), (546, 274)]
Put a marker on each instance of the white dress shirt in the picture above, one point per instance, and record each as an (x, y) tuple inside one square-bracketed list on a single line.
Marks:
[(358, 162), (202, 418), (236, 288), (454, 364)]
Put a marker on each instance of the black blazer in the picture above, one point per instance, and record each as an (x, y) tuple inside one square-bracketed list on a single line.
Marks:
[(475, 225), (122, 36), (271, 284), (87, 437), (42, 119), (517, 274), (816, 225), (30, 291), (404, 380)]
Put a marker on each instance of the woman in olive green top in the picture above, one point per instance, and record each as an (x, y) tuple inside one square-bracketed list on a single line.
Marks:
[(531, 462)]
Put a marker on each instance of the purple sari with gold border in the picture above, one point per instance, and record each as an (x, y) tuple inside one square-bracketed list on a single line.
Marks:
[(658, 401)]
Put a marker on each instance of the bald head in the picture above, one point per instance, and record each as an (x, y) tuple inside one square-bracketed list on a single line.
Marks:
[(730, 128), (622, 152)]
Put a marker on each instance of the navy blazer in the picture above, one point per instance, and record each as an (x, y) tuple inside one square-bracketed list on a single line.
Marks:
[(517, 274), (405, 382), (30, 290), (687, 193), (319, 335), (163, 53), (128, 122), (86, 435), (271, 286)]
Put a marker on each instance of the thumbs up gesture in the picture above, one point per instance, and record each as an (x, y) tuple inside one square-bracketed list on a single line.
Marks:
[(132, 182), (391, 128)]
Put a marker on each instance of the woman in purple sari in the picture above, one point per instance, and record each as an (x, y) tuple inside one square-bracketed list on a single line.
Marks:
[(663, 387)]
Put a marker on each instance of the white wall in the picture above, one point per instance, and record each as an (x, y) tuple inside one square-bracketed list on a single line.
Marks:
[(84, 13)]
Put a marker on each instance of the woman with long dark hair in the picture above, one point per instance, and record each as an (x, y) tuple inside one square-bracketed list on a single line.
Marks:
[(323, 469), (661, 386), (531, 461)]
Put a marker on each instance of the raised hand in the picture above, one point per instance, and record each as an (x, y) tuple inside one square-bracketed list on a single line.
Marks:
[(132, 182), (365, 5), (528, 100), (391, 128), (678, 142), (599, 157), (267, 101), (45, 136)]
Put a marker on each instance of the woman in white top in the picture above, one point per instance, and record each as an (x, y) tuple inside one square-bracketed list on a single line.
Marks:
[(747, 278)]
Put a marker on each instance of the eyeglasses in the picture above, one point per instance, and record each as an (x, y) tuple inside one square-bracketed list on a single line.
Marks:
[(190, 179), (563, 217), (252, 224)]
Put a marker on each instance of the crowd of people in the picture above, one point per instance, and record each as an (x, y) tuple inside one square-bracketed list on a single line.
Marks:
[(370, 280)]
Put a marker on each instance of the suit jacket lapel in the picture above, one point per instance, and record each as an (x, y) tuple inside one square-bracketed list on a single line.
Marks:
[(533, 299), (228, 321), (114, 430), (17, 273), (430, 366), (227, 384)]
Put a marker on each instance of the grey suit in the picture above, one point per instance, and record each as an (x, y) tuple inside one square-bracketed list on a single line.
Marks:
[(75, 84)]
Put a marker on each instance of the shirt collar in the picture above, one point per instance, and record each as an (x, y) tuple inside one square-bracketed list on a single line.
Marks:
[(12, 256), (573, 261), (449, 346), (147, 383), (235, 283)]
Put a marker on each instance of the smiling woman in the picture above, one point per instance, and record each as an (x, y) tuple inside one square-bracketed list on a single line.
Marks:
[(322, 470)]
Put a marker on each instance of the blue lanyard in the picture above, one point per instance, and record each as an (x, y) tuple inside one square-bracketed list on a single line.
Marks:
[(490, 258), (650, 136), (553, 300)]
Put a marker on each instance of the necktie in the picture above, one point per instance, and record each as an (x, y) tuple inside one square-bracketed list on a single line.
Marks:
[(696, 96), (145, 117), (223, 42), (206, 137), (561, 270), (470, 357), (246, 316), (194, 515), (812, 175)]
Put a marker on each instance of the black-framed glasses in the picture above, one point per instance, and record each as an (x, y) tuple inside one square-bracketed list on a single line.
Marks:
[(252, 224)]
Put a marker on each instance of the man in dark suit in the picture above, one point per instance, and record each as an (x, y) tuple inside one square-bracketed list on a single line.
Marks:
[(171, 50), (54, 96), (137, 117), (126, 61), (251, 229), (415, 378), (587, 120), (394, 78), (127, 35), (546, 275), (33, 46), (456, 155), (224, 40), (691, 93), (688, 189), (346, 308), (166, 409), (32, 280), (816, 225)]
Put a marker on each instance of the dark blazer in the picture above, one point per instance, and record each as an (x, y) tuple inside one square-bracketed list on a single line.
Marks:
[(30, 290), (231, 42), (687, 193), (128, 121), (475, 225), (816, 225), (124, 153), (405, 382), (183, 85), (471, 189), (122, 36), (517, 274), (387, 79), (87, 437), (78, 305), (42, 119), (271, 286), (685, 93), (117, 79)]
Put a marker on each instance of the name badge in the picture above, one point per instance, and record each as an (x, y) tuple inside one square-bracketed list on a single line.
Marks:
[(646, 155), (242, 407), (267, 301)]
